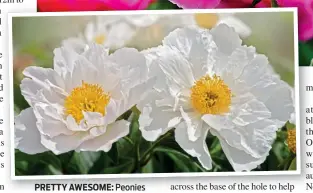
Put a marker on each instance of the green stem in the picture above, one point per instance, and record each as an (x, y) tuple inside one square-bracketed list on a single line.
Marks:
[(129, 140), (255, 2), (138, 155), (143, 160)]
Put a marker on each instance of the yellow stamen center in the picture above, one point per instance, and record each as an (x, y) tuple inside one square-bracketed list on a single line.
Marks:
[(88, 98), (206, 20), (210, 95), (291, 140), (99, 39)]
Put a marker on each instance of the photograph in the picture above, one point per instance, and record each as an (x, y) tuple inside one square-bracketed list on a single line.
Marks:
[(154, 93)]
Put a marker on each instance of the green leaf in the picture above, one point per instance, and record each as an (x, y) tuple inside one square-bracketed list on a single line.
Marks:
[(47, 158), (293, 165), (305, 54), (113, 153), (65, 158), (255, 2), (19, 100), (123, 168), (183, 162), (81, 162), (274, 3), (148, 168), (21, 168), (53, 171), (103, 162), (161, 4), (220, 163)]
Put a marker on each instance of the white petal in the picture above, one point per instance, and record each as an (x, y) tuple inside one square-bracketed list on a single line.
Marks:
[(27, 136), (132, 64), (110, 81), (255, 139), (239, 159), (119, 35), (241, 114), (232, 67), (97, 55), (226, 38), (49, 121), (64, 143), (155, 121), (90, 31), (250, 112), (196, 148), (63, 61), (104, 142), (143, 20), (194, 124), (278, 100), (72, 124), (45, 80), (83, 71), (293, 118), (93, 119), (145, 121), (177, 69), (154, 69), (139, 92), (193, 46), (39, 74), (76, 44), (240, 27)]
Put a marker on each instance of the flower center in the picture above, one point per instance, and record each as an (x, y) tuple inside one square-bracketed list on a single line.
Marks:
[(210, 95), (291, 140), (88, 98), (99, 39), (206, 20)]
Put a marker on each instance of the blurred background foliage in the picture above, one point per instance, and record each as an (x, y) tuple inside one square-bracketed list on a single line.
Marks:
[(34, 39)]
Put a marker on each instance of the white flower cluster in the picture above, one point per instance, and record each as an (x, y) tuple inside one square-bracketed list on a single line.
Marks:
[(198, 81)]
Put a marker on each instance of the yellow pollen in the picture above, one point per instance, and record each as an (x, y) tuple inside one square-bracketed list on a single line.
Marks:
[(206, 20), (291, 140), (100, 39), (210, 95), (88, 98)]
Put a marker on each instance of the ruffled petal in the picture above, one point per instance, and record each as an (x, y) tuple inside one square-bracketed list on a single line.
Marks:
[(27, 136), (177, 69), (76, 44), (193, 122), (50, 122), (239, 159), (195, 45), (64, 143), (104, 142), (132, 66), (196, 148), (247, 127), (45, 81), (240, 27), (226, 38), (155, 121)]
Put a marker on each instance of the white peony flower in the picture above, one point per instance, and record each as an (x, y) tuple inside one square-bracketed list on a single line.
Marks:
[(210, 20), (152, 35), (293, 118), (111, 31), (75, 105), (209, 81)]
